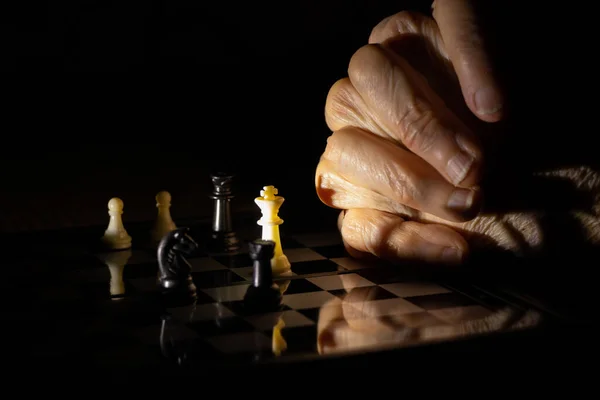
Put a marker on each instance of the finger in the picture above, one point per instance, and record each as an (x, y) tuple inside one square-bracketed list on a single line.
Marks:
[(344, 107), (359, 255), (414, 115), (417, 39), (361, 170), (464, 43), (406, 23), (390, 237)]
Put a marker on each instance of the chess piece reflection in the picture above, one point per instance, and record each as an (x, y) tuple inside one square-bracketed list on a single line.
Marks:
[(283, 286), (223, 239), (116, 262), (164, 223), (116, 236), (269, 204), (172, 345), (175, 278), (279, 344), (263, 294)]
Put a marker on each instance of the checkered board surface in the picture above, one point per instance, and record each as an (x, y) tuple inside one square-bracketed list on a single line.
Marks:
[(84, 319)]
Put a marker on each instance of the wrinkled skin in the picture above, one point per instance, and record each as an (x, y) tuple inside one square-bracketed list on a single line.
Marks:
[(415, 168)]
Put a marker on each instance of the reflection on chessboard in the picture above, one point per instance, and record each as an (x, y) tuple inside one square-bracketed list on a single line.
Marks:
[(331, 303), (339, 313)]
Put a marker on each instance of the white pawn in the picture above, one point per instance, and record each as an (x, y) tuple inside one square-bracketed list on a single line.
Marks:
[(116, 237), (116, 262), (164, 223)]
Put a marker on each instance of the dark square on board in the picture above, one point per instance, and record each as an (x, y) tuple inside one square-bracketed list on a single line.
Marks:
[(217, 278), (296, 286), (315, 267), (441, 300)]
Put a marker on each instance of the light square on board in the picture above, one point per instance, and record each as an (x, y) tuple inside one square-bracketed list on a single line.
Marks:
[(408, 289), (245, 272), (227, 293), (241, 342), (301, 301), (343, 281), (212, 311), (302, 254), (361, 294)]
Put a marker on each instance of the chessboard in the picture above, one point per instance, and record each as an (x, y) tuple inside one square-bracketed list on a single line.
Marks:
[(105, 308), (94, 297)]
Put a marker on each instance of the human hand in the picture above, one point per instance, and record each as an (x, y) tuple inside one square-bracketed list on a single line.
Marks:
[(400, 125), (465, 45), (397, 150)]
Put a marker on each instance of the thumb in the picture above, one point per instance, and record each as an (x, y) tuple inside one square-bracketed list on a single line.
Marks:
[(464, 43)]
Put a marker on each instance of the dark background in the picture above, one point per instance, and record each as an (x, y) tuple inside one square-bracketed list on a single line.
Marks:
[(125, 99), (128, 98)]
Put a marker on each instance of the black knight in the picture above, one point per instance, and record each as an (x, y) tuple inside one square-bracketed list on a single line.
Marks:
[(175, 278)]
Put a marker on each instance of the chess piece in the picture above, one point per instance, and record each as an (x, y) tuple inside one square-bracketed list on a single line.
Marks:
[(262, 295), (175, 277), (224, 239), (164, 223), (173, 342), (269, 204), (116, 236), (116, 262)]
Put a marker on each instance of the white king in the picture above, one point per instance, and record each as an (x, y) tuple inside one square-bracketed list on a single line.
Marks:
[(269, 204)]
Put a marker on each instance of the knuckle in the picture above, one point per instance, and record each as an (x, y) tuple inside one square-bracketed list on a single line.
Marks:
[(334, 144), (340, 105), (362, 61), (405, 188), (365, 230), (418, 125), (404, 22)]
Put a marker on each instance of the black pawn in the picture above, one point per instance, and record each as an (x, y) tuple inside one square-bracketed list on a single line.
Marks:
[(223, 239), (263, 294)]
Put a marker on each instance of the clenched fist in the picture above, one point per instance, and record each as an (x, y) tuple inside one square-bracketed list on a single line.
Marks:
[(406, 157)]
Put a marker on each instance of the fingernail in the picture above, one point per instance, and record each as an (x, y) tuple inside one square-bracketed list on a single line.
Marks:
[(487, 101), (451, 255), (461, 200), (458, 167)]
